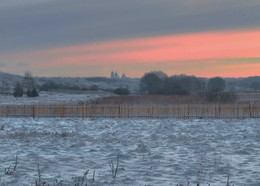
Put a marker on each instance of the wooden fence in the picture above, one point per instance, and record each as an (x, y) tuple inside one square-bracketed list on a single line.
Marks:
[(133, 111)]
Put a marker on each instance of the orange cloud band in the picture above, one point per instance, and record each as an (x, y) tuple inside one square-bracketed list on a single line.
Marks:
[(200, 49)]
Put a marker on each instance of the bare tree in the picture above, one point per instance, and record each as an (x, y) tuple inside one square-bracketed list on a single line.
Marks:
[(29, 85), (28, 81)]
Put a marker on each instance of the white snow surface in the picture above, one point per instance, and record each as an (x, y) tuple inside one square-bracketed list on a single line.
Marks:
[(151, 152), (54, 98)]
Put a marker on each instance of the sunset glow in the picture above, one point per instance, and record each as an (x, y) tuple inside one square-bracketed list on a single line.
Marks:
[(206, 54)]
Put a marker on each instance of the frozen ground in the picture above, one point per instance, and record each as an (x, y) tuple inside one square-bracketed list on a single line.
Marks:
[(51, 98), (151, 152)]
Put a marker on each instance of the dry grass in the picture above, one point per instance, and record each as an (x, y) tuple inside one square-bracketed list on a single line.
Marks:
[(152, 99), (205, 164), (243, 98), (253, 98)]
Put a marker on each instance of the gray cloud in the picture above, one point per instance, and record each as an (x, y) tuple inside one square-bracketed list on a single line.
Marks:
[(2, 64), (51, 23), (22, 64)]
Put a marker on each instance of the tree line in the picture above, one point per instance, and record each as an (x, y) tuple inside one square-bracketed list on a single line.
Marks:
[(159, 83), (155, 82)]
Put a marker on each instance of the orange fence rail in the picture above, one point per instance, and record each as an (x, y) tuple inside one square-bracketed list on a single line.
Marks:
[(133, 111)]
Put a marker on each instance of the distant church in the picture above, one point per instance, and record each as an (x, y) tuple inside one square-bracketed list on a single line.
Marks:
[(115, 75)]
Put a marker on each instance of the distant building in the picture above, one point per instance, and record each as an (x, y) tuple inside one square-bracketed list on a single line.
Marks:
[(112, 75), (123, 76), (115, 75)]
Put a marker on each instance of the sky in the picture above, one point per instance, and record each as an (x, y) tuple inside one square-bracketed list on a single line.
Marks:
[(205, 38)]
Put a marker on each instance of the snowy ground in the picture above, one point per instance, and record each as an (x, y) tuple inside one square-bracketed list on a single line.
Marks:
[(151, 152), (51, 98)]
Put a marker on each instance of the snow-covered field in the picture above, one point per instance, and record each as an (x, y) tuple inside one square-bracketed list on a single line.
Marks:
[(51, 98), (151, 152)]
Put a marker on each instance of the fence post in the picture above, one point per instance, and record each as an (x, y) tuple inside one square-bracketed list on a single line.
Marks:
[(122, 111), (7, 111), (33, 111), (250, 110), (152, 112), (119, 111)]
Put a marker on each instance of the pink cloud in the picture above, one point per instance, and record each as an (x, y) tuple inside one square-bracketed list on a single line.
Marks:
[(154, 50)]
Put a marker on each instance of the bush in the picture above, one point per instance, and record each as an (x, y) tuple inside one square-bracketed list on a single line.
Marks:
[(216, 84), (94, 88), (49, 85), (173, 86), (222, 97), (212, 96), (121, 91), (152, 83), (32, 93), (255, 85), (160, 83), (228, 97), (18, 91)]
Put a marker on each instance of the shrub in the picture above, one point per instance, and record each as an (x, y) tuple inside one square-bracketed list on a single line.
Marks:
[(159, 83), (216, 84), (32, 93), (49, 85), (255, 85), (222, 97), (121, 91), (94, 88), (18, 90), (152, 83), (173, 86), (227, 97), (212, 96)]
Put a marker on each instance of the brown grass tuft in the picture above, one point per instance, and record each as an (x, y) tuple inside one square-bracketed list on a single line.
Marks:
[(152, 99)]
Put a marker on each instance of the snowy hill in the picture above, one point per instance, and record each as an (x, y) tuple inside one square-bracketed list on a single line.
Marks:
[(8, 81), (63, 90)]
